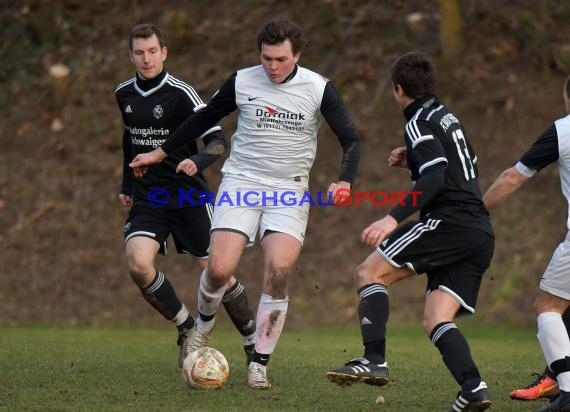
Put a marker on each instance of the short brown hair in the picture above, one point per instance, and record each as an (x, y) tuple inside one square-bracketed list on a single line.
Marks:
[(415, 73), (277, 31), (144, 31)]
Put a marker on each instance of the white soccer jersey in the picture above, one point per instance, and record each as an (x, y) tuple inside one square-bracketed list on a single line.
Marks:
[(276, 136), (563, 131)]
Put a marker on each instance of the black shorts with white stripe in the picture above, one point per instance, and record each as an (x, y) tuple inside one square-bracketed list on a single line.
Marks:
[(189, 226), (454, 257)]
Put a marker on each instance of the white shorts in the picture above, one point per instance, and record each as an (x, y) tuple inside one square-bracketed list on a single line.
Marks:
[(249, 207), (556, 278)]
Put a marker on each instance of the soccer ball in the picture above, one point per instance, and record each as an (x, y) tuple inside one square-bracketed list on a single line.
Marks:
[(205, 368)]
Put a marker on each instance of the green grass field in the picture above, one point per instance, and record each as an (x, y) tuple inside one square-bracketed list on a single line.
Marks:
[(77, 369)]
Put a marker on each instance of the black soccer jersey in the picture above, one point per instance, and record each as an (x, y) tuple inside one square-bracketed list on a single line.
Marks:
[(152, 110), (443, 165)]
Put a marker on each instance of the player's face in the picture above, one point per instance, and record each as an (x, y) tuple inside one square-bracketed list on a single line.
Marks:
[(148, 57), (278, 60)]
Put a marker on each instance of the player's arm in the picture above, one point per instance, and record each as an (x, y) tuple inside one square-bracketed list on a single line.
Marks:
[(337, 116), (126, 194), (543, 152), (432, 162), (505, 185), (215, 146), (214, 140), (222, 104)]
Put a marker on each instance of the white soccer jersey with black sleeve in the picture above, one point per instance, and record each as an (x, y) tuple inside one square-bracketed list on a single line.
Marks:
[(276, 136), (552, 146)]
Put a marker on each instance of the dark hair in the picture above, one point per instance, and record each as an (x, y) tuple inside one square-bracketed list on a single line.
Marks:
[(415, 73), (567, 86), (277, 31), (144, 31)]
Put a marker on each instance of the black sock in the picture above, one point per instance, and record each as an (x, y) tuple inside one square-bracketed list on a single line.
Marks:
[(549, 373), (205, 318), (373, 312), (456, 354), (161, 295), (237, 305), (260, 358), (187, 325)]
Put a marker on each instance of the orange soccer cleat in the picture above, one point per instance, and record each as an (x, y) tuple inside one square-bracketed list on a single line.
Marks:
[(542, 387)]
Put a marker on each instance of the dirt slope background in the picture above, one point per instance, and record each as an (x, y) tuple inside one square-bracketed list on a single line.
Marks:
[(61, 246)]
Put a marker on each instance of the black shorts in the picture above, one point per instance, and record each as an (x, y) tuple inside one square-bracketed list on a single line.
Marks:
[(189, 226), (453, 257)]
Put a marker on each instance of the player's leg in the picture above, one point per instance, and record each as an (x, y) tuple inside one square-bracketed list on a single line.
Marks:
[(155, 287), (454, 280), (372, 277), (237, 306), (226, 249), (280, 254), (145, 235), (553, 300), (439, 312), (545, 384), (191, 232)]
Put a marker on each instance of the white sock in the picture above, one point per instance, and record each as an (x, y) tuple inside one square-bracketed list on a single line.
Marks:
[(554, 342), (271, 315), (209, 298)]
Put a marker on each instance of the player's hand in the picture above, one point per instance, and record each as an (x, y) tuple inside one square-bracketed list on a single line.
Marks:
[(126, 200), (398, 157), (374, 234), (340, 191), (143, 161), (187, 166)]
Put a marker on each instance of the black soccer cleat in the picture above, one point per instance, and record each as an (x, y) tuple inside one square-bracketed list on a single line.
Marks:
[(360, 370), (475, 400), (182, 336), (560, 404)]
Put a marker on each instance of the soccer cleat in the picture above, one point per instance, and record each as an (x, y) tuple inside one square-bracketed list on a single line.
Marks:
[(257, 376), (560, 404), (542, 387), (360, 370), (198, 338), (182, 336), (475, 400)]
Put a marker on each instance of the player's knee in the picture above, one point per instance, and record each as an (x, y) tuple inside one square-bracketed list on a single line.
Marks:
[(218, 274), (141, 271), (279, 281), (428, 323), (363, 276)]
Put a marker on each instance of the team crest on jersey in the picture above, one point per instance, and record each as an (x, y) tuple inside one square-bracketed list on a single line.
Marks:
[(157, 111)]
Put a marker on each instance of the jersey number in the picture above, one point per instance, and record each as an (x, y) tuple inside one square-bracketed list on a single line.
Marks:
[(463, 152)]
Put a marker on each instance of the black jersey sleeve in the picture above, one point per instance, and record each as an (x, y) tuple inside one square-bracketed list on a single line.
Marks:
[(222, 104), (543, 152), (337, 116), (127, 182), (215, 146), (425, 189), (429, 157)]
